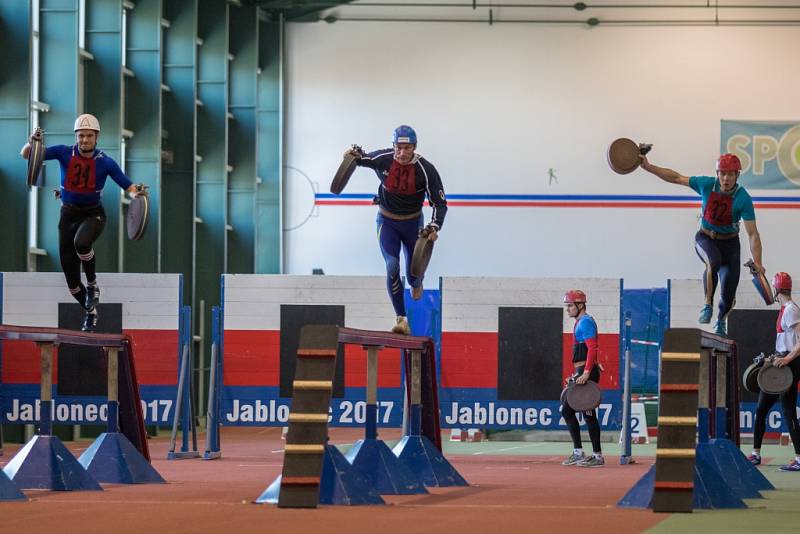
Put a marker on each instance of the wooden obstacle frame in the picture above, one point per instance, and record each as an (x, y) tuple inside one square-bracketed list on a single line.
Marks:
[(314, 471), (120, 455), (147, 308), (698, 461)]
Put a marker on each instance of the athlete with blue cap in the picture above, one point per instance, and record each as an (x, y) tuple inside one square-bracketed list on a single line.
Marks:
[(406, 179)]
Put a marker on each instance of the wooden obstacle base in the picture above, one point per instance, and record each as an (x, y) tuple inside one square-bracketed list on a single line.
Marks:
[(131, 418), (699, 381), (431, 427), (305, 452)]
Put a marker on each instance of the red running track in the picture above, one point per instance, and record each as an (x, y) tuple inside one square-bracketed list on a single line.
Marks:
[(509, 494)]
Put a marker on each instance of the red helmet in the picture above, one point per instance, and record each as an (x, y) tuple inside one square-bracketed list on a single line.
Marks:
[(782, 282), (729, 162), (574, 296)]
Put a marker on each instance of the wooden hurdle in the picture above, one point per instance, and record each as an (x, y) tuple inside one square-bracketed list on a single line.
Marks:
[(315, 472), (698, 461), (113, 457)]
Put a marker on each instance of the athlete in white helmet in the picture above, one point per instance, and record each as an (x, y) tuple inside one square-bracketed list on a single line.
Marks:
[(84, 170)]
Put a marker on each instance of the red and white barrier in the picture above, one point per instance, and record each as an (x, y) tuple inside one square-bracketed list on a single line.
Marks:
[(252, 323), (151, 305), (470, 323)]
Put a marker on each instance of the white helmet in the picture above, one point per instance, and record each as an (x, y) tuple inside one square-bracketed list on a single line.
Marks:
[(87, 122)]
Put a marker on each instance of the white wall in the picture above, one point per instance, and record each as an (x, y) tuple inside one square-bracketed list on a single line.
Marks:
[(687, 297), (471, 304), (496, 107), (150, 301), (253, 301)]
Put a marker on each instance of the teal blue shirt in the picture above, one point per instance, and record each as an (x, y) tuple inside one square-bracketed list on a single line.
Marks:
[(722, 211)]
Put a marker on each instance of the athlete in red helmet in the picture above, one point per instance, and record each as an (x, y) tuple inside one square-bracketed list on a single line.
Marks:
[(787, 348), (725, 203), (584, 358)]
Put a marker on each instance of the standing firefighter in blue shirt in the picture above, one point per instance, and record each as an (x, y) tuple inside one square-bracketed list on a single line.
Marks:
[(406, 179), (725, 203), (84, 170)]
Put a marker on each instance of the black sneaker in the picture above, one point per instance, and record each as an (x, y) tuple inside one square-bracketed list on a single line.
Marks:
[(92, 297), (90, 321)]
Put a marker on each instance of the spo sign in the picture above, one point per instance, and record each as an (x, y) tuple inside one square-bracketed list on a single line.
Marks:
[(769, 152)]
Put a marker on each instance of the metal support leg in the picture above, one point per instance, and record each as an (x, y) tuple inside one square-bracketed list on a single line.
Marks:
[(625, 457), (212, 426), (178, 400)]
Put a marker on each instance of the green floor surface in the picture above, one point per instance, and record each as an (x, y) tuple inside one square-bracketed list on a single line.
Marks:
[(777, 512)]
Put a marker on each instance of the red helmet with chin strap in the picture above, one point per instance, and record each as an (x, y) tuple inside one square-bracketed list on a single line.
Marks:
[(729, 163), (782, 282), (574, 296)]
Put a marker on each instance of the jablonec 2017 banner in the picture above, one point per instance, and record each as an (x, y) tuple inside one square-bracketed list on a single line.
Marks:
[(769, 151)]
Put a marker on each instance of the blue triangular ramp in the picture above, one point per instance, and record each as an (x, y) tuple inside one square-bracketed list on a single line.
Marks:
[(343, 484), (340, 484), (423, 459), (641, 494), (722, 461), (270, 495), (744, 469), (45, 463), (374, 461), (710, 489), (112, 458), (9, 490)]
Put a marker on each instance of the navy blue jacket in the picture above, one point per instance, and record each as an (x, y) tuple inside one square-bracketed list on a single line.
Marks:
[(404, 187)]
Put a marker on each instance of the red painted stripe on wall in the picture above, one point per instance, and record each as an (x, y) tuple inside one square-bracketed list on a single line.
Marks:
[(252, 358), (609, 358), (570, 204), (21, 363), (355, 367), (546, 204), (469, 360), (156, 353), (563, 204)]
